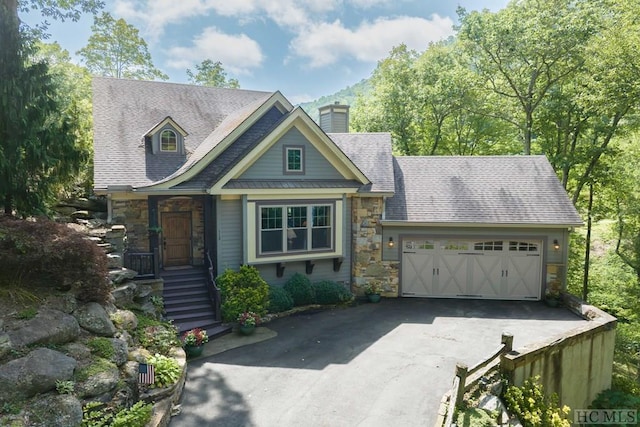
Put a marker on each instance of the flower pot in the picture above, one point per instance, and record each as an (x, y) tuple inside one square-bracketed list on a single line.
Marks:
[(246, 329), (552, 301), (374, 297), (193, 350)]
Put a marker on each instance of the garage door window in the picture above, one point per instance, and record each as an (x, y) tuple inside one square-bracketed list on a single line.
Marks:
[(488, 246), (523, 247)]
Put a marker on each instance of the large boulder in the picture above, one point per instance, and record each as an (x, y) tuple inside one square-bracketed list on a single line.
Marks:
[(63, 302), (48, 327), (100, 385), (123, 295), (125, 319), (122, 275), (35, 373), (94, 318), (120, 351), (57, 410)]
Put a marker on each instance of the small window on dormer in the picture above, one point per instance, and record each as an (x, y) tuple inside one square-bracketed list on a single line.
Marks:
[(294, 160), (168, 141)]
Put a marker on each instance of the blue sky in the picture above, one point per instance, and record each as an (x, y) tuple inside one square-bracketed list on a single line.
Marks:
[(304, 48)]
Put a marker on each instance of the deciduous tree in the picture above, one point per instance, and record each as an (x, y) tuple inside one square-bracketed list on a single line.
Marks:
[(209, 73), (115, 49)]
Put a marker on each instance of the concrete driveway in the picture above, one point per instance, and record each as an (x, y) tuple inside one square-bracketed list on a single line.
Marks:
[(384, 364)]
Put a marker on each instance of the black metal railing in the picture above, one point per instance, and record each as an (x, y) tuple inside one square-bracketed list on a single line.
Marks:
[(212, 287), (146, 264)]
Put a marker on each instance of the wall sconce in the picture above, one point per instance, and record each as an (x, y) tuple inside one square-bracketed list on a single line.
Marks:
[(556, 245), (391, 243)]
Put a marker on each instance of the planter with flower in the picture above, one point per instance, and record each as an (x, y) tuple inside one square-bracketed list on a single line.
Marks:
[(247, 322), (372, 290), (193, 340)]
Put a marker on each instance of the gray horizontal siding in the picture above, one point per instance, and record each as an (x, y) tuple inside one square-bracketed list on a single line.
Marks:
[(229, 234), (270, 165)]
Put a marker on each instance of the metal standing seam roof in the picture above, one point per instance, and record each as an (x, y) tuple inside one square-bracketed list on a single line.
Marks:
[(123, 110), (479, 189)]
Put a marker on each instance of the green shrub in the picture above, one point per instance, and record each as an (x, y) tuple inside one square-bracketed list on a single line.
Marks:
[(49, 254), (156, 336), (279, 300), (167, 370), (329, 292), (65, 387), (242, 290), (97, 414), (533, 408), (300, 289), (608, 399), (27, 313)]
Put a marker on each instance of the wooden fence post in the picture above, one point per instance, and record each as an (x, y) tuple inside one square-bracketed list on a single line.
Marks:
[(461, 372), (507, 340)]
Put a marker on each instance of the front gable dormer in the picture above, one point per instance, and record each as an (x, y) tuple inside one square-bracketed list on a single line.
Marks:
[(167, 137)]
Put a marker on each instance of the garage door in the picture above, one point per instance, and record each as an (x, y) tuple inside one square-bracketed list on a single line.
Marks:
[(457, 268)]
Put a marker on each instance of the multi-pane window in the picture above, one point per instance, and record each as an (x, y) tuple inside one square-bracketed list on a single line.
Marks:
[(294, 161), (168, 141), (488, 246), (296, 228), (523, 246)]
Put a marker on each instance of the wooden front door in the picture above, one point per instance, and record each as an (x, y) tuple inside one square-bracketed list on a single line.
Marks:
[(176, 238)]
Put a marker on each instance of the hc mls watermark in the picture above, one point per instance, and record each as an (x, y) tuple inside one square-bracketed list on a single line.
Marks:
[(605, 416)]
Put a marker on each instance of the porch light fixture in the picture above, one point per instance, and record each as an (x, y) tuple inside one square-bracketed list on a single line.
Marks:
[(391, 243), (556, 245)]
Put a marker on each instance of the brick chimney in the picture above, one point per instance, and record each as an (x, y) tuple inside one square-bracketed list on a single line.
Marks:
[(334, 118)]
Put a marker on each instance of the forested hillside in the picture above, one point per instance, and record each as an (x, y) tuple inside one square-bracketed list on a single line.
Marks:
[(558, 78), (348, 96)]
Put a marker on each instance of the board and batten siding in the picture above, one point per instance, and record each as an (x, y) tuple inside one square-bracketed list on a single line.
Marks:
[(271, 164), (230, 238), (323, 269)]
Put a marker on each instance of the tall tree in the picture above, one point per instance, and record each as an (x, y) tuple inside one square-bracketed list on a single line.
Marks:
[(38, 150), (209, 73), (115, 49), (524, 50)]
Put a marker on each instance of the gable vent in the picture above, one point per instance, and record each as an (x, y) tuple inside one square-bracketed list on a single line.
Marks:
[(334, 118)]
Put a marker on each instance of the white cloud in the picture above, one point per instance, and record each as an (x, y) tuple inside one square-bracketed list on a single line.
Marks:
[(239, 54), (366, 4), (327, 43)]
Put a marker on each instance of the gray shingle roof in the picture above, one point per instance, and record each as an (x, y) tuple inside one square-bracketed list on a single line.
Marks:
[(125, 109), (485, 190), (371, 153)]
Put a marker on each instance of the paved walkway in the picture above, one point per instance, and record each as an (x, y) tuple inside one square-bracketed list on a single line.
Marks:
[(384, 364)]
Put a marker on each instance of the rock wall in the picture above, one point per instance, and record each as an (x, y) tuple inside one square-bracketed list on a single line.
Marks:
[(368, 265)]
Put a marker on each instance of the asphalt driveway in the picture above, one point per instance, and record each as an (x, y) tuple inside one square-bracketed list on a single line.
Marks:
[(384, 364)]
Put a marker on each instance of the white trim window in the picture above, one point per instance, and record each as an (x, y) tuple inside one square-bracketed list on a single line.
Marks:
[(294, 160), (168, 141), (295, 228)]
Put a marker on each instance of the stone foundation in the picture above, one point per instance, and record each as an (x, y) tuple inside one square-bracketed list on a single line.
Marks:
[(134, 214), (367, 248)]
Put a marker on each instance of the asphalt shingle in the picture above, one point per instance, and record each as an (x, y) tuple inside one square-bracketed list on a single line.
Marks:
[(479, 189)]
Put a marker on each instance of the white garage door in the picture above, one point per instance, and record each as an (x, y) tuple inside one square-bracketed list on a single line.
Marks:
[(456, 268)]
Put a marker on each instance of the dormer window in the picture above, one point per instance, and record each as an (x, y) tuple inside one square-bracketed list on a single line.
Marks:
[(294, 160), (168, 141)]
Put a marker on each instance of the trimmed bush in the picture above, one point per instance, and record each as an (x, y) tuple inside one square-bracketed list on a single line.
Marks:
[(242, 290), (329, 292), (300, 289), (279, 300), (49, 254)]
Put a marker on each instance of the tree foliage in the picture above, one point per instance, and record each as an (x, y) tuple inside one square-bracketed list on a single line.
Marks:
[(209, 73), (115, 49), (39, 152)]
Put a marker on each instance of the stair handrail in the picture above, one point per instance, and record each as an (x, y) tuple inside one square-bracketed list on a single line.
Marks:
[(214, 291)]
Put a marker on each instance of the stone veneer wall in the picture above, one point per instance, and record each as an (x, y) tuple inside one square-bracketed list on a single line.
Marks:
[(367, 248), (134, 214), (196, 207)]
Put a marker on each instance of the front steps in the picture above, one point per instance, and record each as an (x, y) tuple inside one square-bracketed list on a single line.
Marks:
[(187, 303)]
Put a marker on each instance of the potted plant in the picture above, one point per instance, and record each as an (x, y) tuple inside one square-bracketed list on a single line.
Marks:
[(553, 295), (193, 340), (372, 290), (247, 322)]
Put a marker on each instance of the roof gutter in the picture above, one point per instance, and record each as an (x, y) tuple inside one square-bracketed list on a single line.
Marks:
[(396, 223)]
